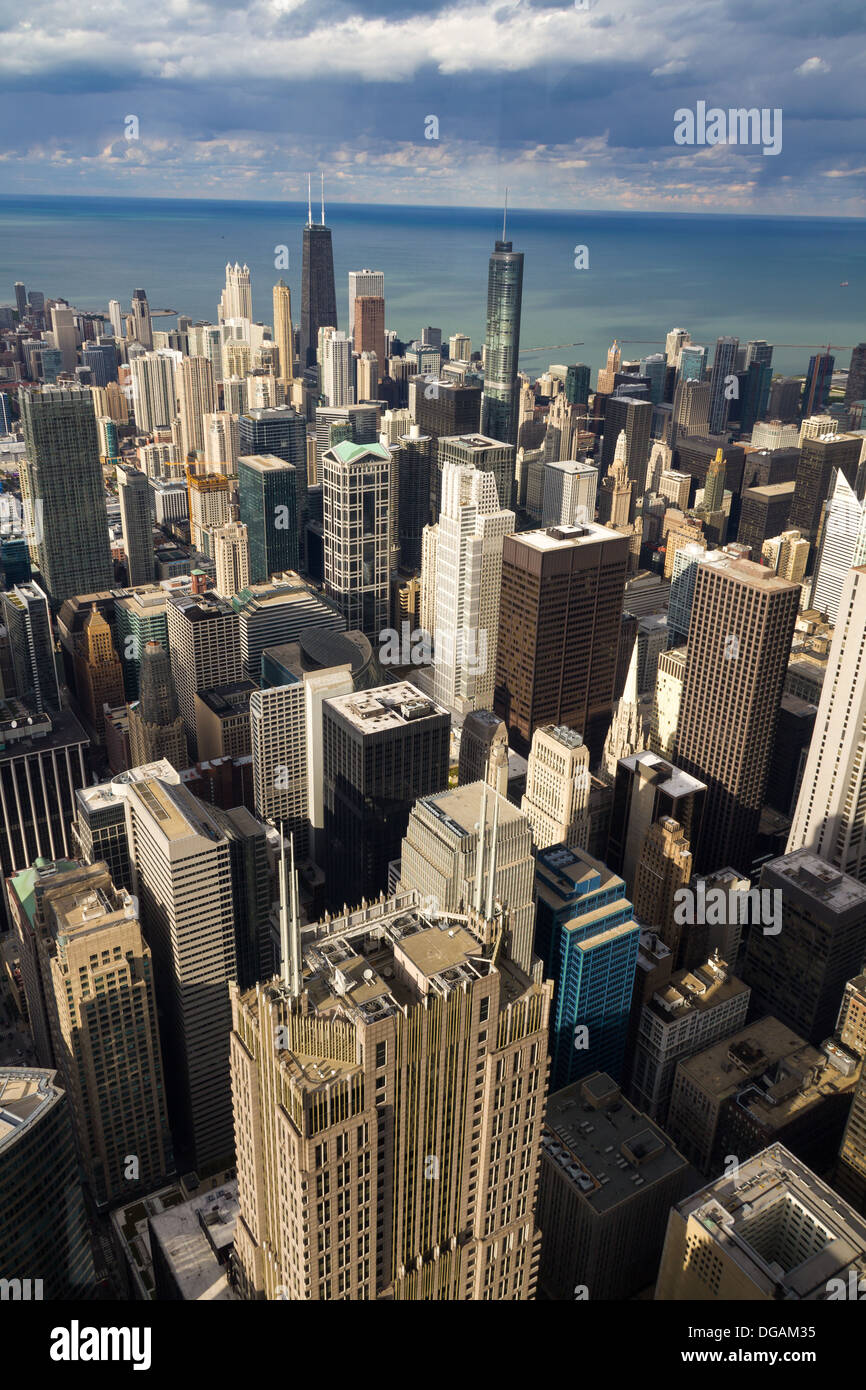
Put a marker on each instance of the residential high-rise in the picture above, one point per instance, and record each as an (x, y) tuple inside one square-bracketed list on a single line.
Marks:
[(183, 882), (139, 328), (722, 383), (93, 954), (221, 441), (154, 393), (318, 294), (61, 482), (466, 582), (608, 1179), (338, 373), (283, 332), (356, 497), (236, 301), (827, 819), (691, 362), (45, 1251), (819, 456), (407, 1018), (556, 800), (27, 618), (588, 939), (203, 638), (502, 345), (156, 728), (209, 497), (134, 494), (368, 328), (559, 621), (767, 1230), (196, 397), (231, 553), (798, 973), (383, 749), (739, 644)]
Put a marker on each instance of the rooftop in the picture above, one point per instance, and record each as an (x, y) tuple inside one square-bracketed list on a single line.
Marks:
[(651, 767), (25, 1093), (559, 537), (816, 878), (195, 1238), (695, 991), (388, 707)]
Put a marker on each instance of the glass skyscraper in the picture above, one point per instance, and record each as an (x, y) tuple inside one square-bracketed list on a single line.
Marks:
[(502, 346), (268, 507)]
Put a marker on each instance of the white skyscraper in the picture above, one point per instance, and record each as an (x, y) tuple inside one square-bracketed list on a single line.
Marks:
[(237, 297), (231, 552), (221, 441), (556, 801), (115, 316), (154, 394), (829, 819), (468, 570), (364, 282), (569, 493), (338, 385), (841, 545), (195, 399)]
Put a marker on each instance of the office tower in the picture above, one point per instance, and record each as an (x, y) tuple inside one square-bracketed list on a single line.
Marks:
[(459, 348), (669, 689), (268, 507), (487, 455), (714, 484), (466, 582), (445, 409), (99, 831), (196, 397), (134, 495), (139, 328), (415, 462), (814, 482), (286, 743), (368, 328), (617, 489), (691, 362), (115, 318), (356, 484), (738, 648), (649, 789), (203, 638), (799, 973), (156, 728), (425, 1200), (569, 493), (691, 413), (139, 616), (62, 483), (855, 386), (209, 496), (64, 338), (502, 345), (366, 376), (382, 750), (722, 383), (221, 441), (183, 882), (755, 393), (281, 433), (794, 730), (318, 295), (561, 593), (764, 513), (42, 1247), (674, 342), (283, 333), (680, 536), (675, 487), (338, 379), (42, 764), (588, 940), (607, 374), (20, 299), (222, 721), (697, 1007), (556, 800), (827, 820), (757, 1086), (98, 674), (768, 1230), (663, 867), (279, 612), (236, 301), (251, 893), (819, 378), (850, 1175), (154, 393), (654, 368), (842, 545), (100, 359), (25, 613), (483, 751), (369, 283), (608, 1179), (92, 950), (651, 641), (231, 555), (684, 575), (784, 399), (630, 413)]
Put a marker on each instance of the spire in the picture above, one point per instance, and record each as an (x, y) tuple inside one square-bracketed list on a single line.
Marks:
[(323, 197), (482, 826), (309, 200), (505, 214), (621, 451), (491, 866)]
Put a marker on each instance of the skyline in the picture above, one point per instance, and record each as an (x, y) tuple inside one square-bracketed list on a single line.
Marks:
[(230, 101)]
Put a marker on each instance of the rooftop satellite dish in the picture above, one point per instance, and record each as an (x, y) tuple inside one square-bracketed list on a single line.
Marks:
[(369, 976)]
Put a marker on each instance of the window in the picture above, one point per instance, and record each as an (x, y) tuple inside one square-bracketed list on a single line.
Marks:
[(485, 1009), (381, 1053)]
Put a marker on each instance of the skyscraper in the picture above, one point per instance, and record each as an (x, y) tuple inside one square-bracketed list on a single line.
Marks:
[(154, 393), (280, 432), (62, 484), (139, 326), (134, 494), (356, 484), (502, 345), (155, 726), (196, 397), (338, 380), (27, 618), (819, 456), (203, 638), (842, 544), (363, 282), (466, 582), (268, 507), (368, 327), (722, 382), (283, 333), (855, 386), (559, 624), (209, 496), (556, 801), (237, 297), (485, 454), (819, 377), (318, 294), (232, 558), (739, 644)]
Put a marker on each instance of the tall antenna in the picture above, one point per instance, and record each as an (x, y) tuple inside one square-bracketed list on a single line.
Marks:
[(505, 214), (323, 197), (309, 200)]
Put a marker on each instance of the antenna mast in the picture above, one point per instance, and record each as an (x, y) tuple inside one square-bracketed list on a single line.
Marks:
[(309, 200), (505, 214), (323, 197)]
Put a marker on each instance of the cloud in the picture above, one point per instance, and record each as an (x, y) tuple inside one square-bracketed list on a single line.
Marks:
[(812, 65)]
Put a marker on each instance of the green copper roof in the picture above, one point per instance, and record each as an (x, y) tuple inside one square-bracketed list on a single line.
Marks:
[(24, 882), (347, 452)]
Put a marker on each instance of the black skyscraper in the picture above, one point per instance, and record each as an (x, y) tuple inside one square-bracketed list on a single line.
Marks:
[(502, 343), (318, 295)]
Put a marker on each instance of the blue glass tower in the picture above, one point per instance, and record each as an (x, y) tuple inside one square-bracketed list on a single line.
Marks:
[(588, 939), (502, 346), (268, 508)]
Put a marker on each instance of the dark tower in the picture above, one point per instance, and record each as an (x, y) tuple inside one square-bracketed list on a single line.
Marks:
[(502, 344), (318, 294), (158, 700)]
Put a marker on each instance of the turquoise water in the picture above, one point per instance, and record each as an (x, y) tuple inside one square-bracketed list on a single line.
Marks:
[(756, 277)]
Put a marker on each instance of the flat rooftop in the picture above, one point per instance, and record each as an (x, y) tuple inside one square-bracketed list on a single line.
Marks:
[(746, 572), (562, 537), (195, 1238), (695, 991), (663, 774), (25, 1094), (459, 809), (815, 877), (602, 1146), (176, 811), (386, 707)]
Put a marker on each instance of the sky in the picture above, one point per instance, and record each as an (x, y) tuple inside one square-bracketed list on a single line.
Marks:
[(569, 104)]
